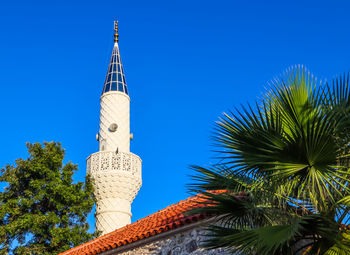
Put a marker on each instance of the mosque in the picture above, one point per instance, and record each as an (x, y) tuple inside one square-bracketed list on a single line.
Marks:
[(117, 179)]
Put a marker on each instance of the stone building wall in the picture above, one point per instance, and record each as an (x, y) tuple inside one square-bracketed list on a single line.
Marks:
[(174, 242)]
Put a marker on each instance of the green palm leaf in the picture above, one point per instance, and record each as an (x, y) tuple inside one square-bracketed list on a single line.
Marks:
[(289, 154), (278, 239)]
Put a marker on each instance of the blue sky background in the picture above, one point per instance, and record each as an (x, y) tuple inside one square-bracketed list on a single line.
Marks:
[(186, 62)]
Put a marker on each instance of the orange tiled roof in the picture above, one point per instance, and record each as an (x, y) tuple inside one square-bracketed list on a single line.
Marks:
[(164, 220)]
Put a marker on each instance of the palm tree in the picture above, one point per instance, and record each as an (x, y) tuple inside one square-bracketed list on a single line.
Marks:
[(283, 173)]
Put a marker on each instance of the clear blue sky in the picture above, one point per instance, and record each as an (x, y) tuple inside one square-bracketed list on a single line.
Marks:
[(186, 62)]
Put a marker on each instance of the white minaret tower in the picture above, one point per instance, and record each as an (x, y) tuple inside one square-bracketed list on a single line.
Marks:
[(116, 171)]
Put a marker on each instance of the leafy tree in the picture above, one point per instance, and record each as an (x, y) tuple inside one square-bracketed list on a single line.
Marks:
[(282, 183), (41, 210)]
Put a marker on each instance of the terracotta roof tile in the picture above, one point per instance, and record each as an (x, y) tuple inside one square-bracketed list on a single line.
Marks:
[(164, 220)]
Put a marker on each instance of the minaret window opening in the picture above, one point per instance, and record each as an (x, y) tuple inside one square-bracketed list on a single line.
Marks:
[(102, 144)]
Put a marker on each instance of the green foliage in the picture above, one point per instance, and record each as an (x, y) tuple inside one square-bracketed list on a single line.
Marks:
[(284, 169), (41, 210)]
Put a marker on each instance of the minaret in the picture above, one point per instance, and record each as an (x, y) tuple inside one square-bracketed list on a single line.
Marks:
[(115, 170)]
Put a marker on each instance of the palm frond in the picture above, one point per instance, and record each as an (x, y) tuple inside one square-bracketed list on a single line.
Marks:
[(290, 155), (240, 211), (342, 246), (278, 239), (217, 178)]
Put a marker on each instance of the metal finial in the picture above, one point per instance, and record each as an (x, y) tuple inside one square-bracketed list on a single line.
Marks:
[(116, 31)]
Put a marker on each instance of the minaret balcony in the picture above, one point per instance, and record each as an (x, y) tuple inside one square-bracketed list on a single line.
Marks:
[(106, 161)]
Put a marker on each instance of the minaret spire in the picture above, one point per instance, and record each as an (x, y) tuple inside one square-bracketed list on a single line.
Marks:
[(115, 78), (115, 170)]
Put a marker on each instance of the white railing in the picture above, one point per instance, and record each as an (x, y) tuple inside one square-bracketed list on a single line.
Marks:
[(111, 161)]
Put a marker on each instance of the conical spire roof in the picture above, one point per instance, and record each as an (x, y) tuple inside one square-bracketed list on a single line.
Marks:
[(115, 78)]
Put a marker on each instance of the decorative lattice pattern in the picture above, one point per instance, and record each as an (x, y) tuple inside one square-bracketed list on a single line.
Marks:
[(111, 161), (108, 222), (112, 213), (117, 179), (115, 108), (116, 185)]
